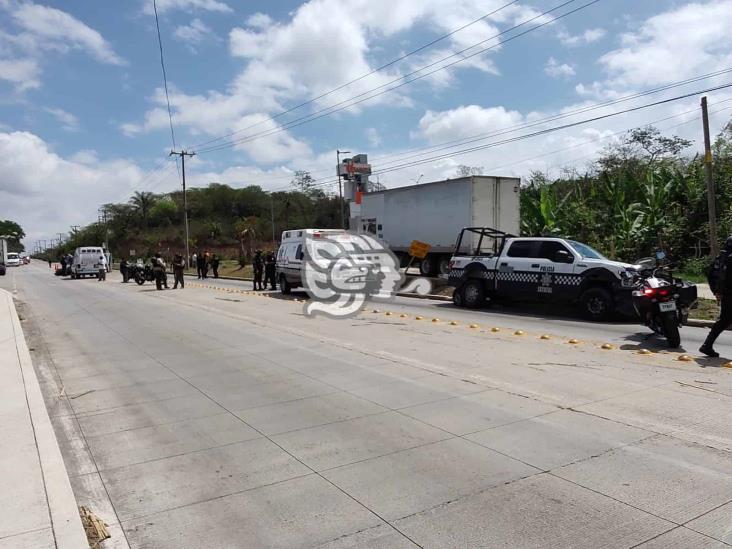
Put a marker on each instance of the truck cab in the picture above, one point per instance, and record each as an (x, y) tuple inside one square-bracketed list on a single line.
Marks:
[(492, 265)]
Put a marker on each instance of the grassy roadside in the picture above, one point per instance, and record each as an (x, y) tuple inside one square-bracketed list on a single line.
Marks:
[(706, 310), (229, 267)]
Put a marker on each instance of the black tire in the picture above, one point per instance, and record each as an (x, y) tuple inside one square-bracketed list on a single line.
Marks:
[(670, 325), (596, 304), (428, 266), (443, 266), (285, 287), (140, 280), (474, 294), (458, 298)]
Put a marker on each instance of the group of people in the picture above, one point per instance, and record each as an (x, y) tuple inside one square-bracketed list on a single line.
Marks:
[(264, 266), (203, 261)]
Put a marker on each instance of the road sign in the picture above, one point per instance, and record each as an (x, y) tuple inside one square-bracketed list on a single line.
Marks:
[(419, 249)]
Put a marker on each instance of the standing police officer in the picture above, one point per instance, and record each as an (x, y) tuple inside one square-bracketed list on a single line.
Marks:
[(724, 296), (269, 271), (258, 266)]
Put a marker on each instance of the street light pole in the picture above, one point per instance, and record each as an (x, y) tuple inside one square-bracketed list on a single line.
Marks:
[(709, 177), (340, 186)]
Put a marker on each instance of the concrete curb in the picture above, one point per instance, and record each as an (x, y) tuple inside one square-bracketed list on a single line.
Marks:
[(65, 521)]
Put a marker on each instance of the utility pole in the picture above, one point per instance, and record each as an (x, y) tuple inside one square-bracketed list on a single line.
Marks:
[(183, 155), (711, 195), (340, 186)]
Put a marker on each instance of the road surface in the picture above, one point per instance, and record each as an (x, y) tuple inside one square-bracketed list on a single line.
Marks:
[(215, 418)]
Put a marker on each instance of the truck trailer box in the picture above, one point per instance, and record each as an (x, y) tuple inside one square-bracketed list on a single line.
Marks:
[(436, 212)]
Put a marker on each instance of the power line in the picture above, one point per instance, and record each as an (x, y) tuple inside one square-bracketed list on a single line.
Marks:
[(348, 103), (165, 78), (421, 151), (366, 75), (537, 133)]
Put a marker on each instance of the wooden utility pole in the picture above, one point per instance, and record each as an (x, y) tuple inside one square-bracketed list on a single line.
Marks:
[(183, 155), (711, 195)]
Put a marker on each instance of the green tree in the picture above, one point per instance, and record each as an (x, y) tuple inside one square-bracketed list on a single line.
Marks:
[(143, 202), (14, 233)]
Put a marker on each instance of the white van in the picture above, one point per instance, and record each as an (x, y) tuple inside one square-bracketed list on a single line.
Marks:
[(13, 259), (291, 254), (87, 261)]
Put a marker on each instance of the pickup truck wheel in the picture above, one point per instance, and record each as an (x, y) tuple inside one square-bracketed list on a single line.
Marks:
[(596, 304), (473, 294), (285, 287), (458, 298)]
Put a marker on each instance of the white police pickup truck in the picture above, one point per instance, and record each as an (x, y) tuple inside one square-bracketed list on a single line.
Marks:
[(491, 265)]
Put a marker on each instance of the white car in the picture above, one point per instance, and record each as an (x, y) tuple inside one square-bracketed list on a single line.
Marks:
[(13, 260)]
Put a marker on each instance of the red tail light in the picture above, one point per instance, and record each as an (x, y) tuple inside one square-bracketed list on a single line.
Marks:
[(649, 291), (663, 292)]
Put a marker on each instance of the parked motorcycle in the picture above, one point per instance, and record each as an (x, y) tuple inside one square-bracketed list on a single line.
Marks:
[(661, 300), (144, 274)]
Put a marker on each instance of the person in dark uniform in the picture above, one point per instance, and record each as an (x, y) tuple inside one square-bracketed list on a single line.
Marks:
[(123, 270), (215, 265), (725, 299), (159, 270), (200, 264), (62, 260), (258, 266), (269, 271), (206, 264), (178, 268)]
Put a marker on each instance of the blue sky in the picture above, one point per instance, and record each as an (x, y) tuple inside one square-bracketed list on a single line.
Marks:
[(83, 118)]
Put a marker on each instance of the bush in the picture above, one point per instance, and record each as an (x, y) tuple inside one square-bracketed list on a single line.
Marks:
[(697, 266)]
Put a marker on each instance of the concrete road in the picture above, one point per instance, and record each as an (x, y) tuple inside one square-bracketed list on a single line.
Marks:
[(219, 419)]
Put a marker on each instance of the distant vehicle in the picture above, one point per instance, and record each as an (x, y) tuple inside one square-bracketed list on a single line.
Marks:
[(491, 265), (13, 260), (86, 261), (291, 254), (435, 212)]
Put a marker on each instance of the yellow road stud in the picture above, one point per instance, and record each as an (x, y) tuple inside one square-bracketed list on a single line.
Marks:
[(495, 329), (435, 320), (388, 313), (684, 358), (519, 333), (545, 336), (402, 316), (573, 341), (606, 346), (454, 323), (727, 365), (473, 326), (376, 311), (418, 317), (644, 352)]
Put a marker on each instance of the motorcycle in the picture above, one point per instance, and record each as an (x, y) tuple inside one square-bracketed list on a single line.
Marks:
[(662, 301), (143, 274)]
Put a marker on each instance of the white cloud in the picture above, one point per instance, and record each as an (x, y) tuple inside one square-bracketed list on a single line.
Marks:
[(682, 42), (194, 34), (186, 5), (556, 70), (68, 121), (324, 44), (57, 29), (372, 134), (260, 21), (587, 37), (464, 121), (23, 73)]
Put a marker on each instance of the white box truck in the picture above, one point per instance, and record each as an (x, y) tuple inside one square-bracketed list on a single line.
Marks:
[(436, 212)]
